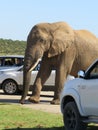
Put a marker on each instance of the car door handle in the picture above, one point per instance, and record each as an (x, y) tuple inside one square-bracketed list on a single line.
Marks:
[(83, 87)]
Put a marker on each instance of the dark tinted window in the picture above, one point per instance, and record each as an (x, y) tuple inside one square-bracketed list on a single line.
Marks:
[(10, 61)]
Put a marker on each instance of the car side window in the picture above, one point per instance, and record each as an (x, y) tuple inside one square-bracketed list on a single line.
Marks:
[(8, 62), (11, 61), (94, 73), (1, 61)]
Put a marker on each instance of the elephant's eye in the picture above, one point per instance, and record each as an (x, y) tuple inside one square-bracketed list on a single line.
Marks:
[(41, 40)]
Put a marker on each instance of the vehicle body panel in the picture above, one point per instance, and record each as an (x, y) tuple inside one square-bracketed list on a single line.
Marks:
[(17, 76), (84, 91)]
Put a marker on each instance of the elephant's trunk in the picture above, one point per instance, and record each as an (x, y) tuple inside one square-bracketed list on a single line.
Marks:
[(26, 79), (32, 56), (26, 82)]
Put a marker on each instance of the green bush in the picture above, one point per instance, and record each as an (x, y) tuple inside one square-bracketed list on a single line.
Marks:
[(10, 47)]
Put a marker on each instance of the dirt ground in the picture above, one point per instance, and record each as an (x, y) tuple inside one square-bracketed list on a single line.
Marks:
[(44, 104)]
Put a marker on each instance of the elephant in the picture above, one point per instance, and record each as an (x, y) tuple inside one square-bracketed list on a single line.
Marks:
[(58, 46)]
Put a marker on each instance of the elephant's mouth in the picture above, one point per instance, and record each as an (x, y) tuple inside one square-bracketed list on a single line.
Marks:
[(34, 65)]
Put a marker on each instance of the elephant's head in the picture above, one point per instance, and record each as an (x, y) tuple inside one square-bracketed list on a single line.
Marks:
[(51, 38)]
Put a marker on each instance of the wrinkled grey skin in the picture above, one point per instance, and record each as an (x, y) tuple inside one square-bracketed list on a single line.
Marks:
[(61, 47)]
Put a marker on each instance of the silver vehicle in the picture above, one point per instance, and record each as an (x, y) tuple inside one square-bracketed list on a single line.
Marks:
[(11, 80)]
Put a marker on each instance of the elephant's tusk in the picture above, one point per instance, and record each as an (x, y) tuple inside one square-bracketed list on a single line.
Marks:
[(34, 65)]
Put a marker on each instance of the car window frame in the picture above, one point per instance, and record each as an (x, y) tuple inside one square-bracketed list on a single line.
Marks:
[(88, 72)]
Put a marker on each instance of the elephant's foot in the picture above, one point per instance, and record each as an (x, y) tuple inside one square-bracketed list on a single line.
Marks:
[(21, 101), (55, 101), (34, 99)]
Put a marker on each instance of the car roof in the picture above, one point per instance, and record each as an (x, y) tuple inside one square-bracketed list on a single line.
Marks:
[(12, 56)]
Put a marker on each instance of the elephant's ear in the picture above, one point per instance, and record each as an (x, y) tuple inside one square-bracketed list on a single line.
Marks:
[(61, 41)]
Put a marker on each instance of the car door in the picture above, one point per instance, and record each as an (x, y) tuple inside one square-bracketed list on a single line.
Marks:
[(89, 92), (51, 79)]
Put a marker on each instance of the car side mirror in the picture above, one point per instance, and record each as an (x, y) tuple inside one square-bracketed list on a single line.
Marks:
[(81, 74)]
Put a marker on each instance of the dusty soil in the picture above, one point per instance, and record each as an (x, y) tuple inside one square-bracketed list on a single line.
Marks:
[(44, 104)]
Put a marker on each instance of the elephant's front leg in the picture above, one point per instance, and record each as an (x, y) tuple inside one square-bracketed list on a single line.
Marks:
[(42, 76), (59, 84)]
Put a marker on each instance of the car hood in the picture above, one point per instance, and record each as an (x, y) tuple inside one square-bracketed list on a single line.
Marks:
[(11, 69), (73, 83)]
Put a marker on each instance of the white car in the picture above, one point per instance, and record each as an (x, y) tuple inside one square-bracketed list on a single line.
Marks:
[(11, 80), (79, 99)]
